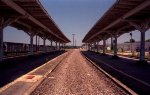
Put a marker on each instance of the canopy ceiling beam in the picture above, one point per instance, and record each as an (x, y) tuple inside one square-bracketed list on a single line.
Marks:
[(16, 7), (128, 14)]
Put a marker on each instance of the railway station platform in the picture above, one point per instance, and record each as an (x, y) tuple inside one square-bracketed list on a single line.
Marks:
[(79, 72), (13, 68), (32, 69)]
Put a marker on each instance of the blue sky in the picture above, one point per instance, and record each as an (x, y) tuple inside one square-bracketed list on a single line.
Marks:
[(72, 17)]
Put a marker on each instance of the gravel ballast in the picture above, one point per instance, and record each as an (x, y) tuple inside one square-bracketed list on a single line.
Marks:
[(76, 76)]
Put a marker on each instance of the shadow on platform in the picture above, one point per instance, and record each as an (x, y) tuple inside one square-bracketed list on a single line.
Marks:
[(127, 71), (15, 67)]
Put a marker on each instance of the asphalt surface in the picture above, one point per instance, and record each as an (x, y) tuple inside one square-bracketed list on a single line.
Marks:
[(13, 69), (135, 76), (76, 76)]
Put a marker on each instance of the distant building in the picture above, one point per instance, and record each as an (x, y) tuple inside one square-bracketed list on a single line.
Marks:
[(135, 46), (123, 46)]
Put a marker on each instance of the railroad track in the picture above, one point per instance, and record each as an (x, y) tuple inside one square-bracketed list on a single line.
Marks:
[(72, 73), (137, 85), (76, 74), (120, 84)]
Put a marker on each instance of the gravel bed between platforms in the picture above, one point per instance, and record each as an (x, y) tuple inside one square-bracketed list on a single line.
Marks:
[(76, 76)]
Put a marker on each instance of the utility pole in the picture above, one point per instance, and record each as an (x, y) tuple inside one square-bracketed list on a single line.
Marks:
[(73, 39), (75, 42)]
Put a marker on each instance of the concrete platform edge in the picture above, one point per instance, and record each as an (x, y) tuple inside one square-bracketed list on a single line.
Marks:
[(31, 88)]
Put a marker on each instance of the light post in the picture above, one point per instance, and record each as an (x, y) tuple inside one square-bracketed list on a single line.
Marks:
[(73, 40)]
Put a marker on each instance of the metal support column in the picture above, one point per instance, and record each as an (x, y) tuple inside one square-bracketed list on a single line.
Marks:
[(90, 46), (59, 46), (104, 46), (131, 41), (115, 46), (44, 47), (64, 45), (97, 46), (3, 24), (56, 45), (111, 43), (142, 46), (31, 43), (51, 44), (93, 47), (36, 43), (1, 43), (143, 27)]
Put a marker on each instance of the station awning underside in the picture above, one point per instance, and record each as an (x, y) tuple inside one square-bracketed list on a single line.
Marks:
[(117, 18), (30, 16)]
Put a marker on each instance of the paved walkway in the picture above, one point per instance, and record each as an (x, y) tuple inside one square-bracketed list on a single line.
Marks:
[(76, 76), (126, 70)]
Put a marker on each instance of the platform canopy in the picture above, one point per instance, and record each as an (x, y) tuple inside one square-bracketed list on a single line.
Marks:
[(119, 19), (30, 16)]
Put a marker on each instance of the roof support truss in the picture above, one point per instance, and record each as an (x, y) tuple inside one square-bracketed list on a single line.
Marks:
[(130, 13), (24, 13)]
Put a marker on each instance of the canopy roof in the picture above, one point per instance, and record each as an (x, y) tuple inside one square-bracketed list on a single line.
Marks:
[(116, 19), (30, 16)]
